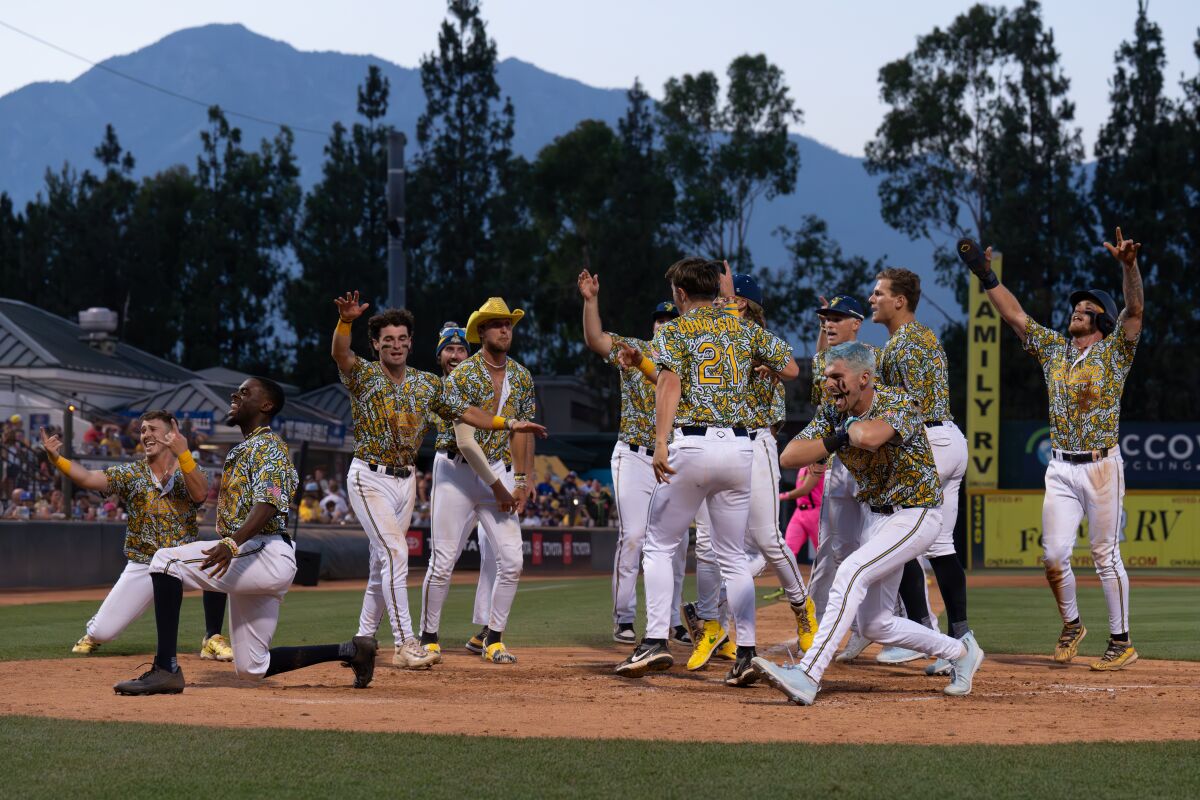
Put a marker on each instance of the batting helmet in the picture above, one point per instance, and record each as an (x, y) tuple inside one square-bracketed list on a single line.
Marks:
[(1106, 321)]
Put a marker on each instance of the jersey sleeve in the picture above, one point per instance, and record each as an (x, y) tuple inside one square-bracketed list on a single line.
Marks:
[(180, 491), (437, 399), (821, 425), (613, 351), (456, 394), (355, 380), (274, 479), (1123, 350), (1040, 340), (527, 402), (670, 352), (120, 479), (818, 380), (901, 415), (770, 349)]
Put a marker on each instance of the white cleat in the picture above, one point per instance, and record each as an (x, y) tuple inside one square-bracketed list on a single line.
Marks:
[(962, 670)]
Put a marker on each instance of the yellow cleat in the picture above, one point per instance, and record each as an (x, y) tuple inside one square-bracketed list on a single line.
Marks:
[(433, 647), (496, 653), (727, 651), (86, 646), (712, 637), (216, 648), (1119, 655), (806, 624), (1068, 642)]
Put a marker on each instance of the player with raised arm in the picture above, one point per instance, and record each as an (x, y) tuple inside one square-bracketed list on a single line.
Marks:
[(1085, 375), (633, 472), (703, 452), (163, 493), (880, 438)]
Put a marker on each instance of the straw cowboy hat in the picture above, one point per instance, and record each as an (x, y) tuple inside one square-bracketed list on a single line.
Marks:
[(494, 308)]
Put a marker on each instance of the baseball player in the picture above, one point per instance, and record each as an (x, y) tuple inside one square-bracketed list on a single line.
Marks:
[(705, 359), (763, 535), (393, 405), (633, 474), (881, 439), (163, 493), (491, 380), (913, 360), (1085, 374), (254, 562)]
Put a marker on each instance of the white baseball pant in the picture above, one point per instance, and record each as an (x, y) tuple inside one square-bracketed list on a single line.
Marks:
[(487, 579), (716, 467), (127, 600), (633, 484), (950, 455), (1097, 490), (258, 578), (843, 519), (865, 589), (459, 498), (383, 505), (711, 602)]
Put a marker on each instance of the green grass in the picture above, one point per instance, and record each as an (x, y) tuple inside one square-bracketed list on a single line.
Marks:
[(576, 611), (139, 760)]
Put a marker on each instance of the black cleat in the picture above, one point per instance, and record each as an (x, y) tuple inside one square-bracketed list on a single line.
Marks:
[(646, 658), (743, 672), (363, 662), (156, 681), (681, 635)]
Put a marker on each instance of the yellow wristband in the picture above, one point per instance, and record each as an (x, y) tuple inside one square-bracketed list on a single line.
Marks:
[(230, 543), (499, 423), (647, 367), (342, 329), (64, 466), (186, 462)]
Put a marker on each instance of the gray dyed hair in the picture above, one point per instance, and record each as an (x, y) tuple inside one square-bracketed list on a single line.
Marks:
[(858, 356)]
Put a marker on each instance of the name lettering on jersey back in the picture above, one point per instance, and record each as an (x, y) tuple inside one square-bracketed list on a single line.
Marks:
[(722, 324)]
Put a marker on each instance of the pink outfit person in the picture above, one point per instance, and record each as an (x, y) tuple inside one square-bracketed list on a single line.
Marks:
[(807, 517)]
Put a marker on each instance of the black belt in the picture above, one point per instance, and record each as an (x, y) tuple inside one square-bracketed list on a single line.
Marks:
[(700, 430), (889, 510), (287, 538), (459, 458), (1082, 458), (633, 448), (395, 472), (934, 423)]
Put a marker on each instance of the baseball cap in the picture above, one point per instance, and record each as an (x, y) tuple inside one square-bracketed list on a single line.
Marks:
[(747, 287), (666, 309), (845, 305), (15, 419)]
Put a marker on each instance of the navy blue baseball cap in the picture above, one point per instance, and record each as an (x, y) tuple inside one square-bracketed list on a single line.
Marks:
[(747, 287), (666, 309), (844, 304)]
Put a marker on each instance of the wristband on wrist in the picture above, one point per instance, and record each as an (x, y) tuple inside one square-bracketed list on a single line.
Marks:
[(63, 464), (342, 329), (646, 367), (499, 423), (988, 279), (835, 441), (230, 543), (186, 462)]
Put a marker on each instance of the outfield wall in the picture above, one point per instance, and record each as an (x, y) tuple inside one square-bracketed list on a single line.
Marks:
[(1160, 529)]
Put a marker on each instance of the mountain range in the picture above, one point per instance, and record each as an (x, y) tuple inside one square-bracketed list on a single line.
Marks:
[(44, 125)]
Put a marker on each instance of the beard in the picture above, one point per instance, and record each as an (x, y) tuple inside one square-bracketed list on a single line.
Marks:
[(1081, 327)]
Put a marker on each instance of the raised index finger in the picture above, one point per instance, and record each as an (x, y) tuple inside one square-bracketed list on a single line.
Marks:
[(1120, 238)]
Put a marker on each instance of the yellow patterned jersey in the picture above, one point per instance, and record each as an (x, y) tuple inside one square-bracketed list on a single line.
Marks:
[(902, 472), (1085, 388), (257, 470), (470, 384), (713, 353), (637, 395), (391, 420), (160, 515), (770, 402), (818, 376), (913, 360)]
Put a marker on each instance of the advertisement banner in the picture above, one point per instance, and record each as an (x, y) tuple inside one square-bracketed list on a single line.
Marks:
[(1158, 530), (983, 387), (544, 548), (1156, 455)]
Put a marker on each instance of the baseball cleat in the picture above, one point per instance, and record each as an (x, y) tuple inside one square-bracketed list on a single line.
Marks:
[(624, 634), (962, 670), (497, 653), (436, 649), (691, 619), (646, 658), (791, 680), (712, 637), (475, 643), (897, 655), (154, 681), (854, 648), (363, 662), (940, 667), (1068, 642), (727, 651), (680, 635), (411, 655), (86, 646), (216, 648), (743, 672), (806, 624), (1119, 655)]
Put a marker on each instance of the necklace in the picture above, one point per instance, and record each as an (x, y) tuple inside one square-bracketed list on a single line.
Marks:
[(490, 364)]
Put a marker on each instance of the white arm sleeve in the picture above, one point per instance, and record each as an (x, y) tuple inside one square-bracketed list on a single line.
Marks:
[(464, 437)]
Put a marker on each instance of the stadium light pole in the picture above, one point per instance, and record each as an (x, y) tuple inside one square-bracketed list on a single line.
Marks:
[(397, 269), (68, 451)]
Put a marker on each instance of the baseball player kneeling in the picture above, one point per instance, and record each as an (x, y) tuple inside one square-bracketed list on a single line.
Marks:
[(880, 438)]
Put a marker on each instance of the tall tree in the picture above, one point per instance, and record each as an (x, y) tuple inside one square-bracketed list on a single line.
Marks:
[(242, 224), (725, 156), (462, 196), (342, 243)]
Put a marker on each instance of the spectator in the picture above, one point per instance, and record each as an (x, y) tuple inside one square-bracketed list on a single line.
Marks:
[(92, 437), (310, 508), (110, 445), (322, 481), (545, 487), (16, 502), (599, 504), (337, 500), (131, 438)]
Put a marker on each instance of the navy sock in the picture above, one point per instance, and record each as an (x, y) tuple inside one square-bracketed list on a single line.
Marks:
[(746, 650), (168, 598), (286, 659), (429, 637), (491, 637), (952, 582), (1122, 637), (214, 613), (648, 641), (912, 592)]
